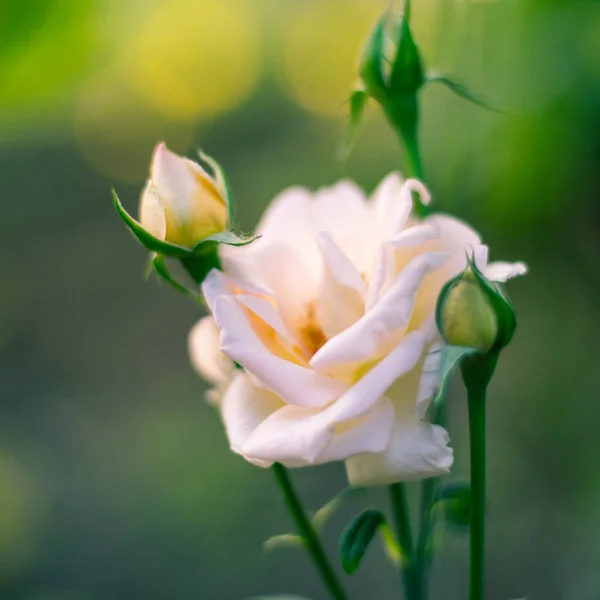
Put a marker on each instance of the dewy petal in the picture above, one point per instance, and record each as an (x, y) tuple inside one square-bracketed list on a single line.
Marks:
[(206, 357), (298, 437), (341, 291), (416, 450), (502, 271), (152, 213), (296, 384), (371, 335), (244, 408)]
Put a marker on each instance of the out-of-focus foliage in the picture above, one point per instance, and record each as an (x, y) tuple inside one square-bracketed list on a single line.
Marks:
[(115, 478)]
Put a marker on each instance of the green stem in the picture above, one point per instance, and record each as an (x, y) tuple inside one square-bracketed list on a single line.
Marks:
[(411, 578), (477, 433), (428, 493), (308, 533), (428, 489)]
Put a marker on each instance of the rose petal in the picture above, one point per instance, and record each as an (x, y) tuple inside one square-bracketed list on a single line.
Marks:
[(244, 408), (369, 337), (339, 300), (503, 271), (298, 437), (416, 450), (152, 213), (385, 270), (206, 357), (296, 384)]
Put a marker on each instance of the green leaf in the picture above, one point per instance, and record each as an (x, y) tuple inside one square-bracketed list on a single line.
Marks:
[(373, 56), (357, 536), (229, 238), (358, 102), (222, 182), (390, 545), (407, 75), (147, 240), (328, 510), (462, 91), (451, 359), (285, 540), (454, 498), (160, 267)]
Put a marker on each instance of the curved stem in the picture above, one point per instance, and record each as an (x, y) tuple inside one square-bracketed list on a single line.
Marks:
[(308, 533), (477, 433), (410, 571)]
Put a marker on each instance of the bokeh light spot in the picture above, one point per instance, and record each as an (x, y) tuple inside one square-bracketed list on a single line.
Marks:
[(193, 58), (116, 132), (322, 46)]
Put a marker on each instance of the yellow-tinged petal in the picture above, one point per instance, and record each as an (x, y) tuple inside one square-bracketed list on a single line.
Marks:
[(194, 208), (152, 213)]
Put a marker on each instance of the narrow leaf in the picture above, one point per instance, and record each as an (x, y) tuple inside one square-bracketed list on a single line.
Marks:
[(455, 500), (358, 102), (407, 74), (229, 238), (451, 359), (147, 240), (357, 536), (160, 267), (371, 64), (462, 91), (285, 540), (390, 545), (328, 510), (222, 182)]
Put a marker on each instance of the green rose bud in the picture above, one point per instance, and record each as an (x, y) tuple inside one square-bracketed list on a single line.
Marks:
[(475, 313)]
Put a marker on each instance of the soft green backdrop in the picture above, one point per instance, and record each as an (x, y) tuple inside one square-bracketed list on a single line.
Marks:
[(115, 477)]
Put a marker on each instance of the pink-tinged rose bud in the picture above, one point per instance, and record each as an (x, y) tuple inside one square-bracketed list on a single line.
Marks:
[(181, 203)]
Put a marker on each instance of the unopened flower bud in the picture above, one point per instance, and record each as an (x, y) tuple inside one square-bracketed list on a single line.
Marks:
[(473, 312), (181, 203)]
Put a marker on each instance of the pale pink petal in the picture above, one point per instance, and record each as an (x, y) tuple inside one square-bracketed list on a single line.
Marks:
[(372, 335), (384, 271), (244, 408), (392, 206), (416, 450), (206, 357), (174, 181), (400, 361), (503, 271), (296, 384), (339, 301), (338, 209), (298, 437), (280, 269), (152, 213)]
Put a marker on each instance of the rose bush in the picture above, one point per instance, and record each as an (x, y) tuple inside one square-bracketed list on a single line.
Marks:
[(330, 315)]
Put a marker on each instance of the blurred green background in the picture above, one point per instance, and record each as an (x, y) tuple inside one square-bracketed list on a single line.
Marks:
[(115, 477)]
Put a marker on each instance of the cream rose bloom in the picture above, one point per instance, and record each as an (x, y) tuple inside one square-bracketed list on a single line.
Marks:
[(330, 315)]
